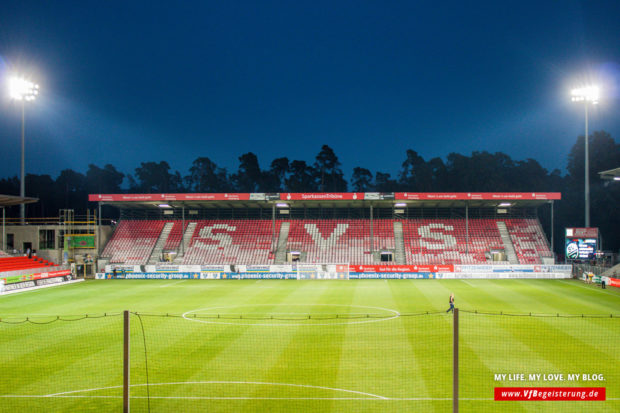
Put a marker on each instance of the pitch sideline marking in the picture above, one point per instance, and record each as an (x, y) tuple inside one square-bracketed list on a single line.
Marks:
[(172, 283), (396, 315), (218, 382), (588, 288), (468, 283)]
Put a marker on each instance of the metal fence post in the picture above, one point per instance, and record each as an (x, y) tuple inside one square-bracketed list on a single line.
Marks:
[(126, 362), (455, 362)]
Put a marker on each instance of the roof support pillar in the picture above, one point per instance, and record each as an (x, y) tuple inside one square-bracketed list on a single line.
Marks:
[(466, 228)]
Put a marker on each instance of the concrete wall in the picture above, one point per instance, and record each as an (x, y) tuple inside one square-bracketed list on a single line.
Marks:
[(30, 233)]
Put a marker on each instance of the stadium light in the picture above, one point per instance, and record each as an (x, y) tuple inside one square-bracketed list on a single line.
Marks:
[(505, 204), (400, 204), (282, 205), (23, 90), (587, 94), (164, 206)]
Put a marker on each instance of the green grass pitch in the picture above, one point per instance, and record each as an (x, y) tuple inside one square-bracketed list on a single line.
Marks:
[(307, 346)]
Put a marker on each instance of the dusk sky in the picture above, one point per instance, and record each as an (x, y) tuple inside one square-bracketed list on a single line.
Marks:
[(130, 82)]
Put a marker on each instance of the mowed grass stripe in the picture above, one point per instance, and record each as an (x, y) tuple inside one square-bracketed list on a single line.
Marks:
[(428, 338), (316, 363)]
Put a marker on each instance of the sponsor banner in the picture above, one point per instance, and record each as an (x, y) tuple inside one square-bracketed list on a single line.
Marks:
[(52, 274), (561, 267), (167, 197), (48, 281), (161, 276), (210, 275), (281, 268), (80, 241), (614, 282), (466, 196), (123, 268), (19, 285), (173, 268), (581, 232), (352, 275), (401, 268), (393, 275), (512, 268), (372, 196), (268, 276), (214, 268), (36, 276), (499, 196), (448, 275), (163, 268), (264, 268), (549, 394), (322, 196), (378, 196)]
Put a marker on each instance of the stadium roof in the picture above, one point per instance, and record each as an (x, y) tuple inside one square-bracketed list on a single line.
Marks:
[(611, 174), (341, 199), (12, 200)]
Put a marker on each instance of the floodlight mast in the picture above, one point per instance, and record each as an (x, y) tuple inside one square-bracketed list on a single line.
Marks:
[(22, 90), (587, 95)]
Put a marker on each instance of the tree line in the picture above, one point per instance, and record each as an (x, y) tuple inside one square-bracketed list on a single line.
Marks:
[(478, 172)]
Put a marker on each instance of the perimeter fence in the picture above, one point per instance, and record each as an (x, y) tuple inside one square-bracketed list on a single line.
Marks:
[(271, 361)]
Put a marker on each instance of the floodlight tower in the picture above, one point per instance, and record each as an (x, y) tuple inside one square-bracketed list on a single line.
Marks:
[(587, 95), (22, 90)]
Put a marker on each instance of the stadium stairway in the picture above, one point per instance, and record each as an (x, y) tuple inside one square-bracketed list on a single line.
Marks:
[(280, 257), (187, 237), (508, 246), (399, 240), (159, 245)]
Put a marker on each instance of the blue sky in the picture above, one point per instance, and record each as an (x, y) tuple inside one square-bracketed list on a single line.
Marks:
[(130, 82)]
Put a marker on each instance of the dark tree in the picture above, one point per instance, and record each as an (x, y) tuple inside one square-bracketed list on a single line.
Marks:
[(329, 176), (361, 180), (206, 176), (275, 178), (42, 187), (384, 183), (249, 177), (416, 174), (155, 177), (103, 181), (70, 189), (301, 178)]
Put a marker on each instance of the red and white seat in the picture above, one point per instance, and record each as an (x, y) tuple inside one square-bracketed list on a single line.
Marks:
[(231, 242), (340, 240), (133, 241), (447, 241), (529, 240)]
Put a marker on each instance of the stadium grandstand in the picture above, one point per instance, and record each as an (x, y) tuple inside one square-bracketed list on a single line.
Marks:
[(353, 228)]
